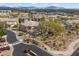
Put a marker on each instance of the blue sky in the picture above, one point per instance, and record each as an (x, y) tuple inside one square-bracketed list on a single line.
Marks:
[(65, 5)]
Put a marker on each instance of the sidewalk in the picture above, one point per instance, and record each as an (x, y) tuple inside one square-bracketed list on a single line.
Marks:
[(68, 52), (72, 47)]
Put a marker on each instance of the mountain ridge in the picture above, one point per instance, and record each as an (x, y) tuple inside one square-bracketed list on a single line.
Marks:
[(31, 7)]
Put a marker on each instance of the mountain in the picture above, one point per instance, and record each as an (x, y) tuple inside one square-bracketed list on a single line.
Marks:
[(5, 8), (54, 7), (31, 7)]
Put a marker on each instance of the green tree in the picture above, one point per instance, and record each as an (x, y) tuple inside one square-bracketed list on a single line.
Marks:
[(30, 15), (56, 27), (77, 27), (2, 32), (52, 26)]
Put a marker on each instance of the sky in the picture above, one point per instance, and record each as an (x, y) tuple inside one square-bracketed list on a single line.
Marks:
[(65, 5)]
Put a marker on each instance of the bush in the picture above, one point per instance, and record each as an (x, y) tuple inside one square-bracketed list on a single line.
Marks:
[(20, 34), (54, 27), (2, 32)]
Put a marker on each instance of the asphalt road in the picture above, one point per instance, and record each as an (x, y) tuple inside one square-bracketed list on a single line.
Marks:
[(19, 48), (76, 53), (11, 37)]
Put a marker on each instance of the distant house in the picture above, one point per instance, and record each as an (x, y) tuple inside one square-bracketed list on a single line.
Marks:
[(70, 23), (30, 25), (23, 15), (5, 13), (10, 21)]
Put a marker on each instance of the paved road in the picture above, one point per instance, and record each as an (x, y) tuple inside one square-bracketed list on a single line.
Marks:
[(17, 42), (76, 53), (11, 37), (18, 50)]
